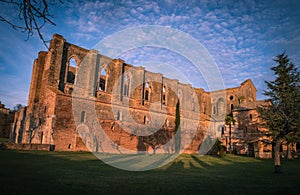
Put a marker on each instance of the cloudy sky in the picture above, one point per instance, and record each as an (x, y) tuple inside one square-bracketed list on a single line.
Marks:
[(242, 37)]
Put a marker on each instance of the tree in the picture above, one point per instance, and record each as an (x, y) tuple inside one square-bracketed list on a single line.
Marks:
[(34, 14), (17, 107), (229, 120), (281, 115), (241, 99), (177, 131)]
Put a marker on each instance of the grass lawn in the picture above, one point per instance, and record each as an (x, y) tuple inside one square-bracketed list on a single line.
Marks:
[(40, 172), (2, 139)]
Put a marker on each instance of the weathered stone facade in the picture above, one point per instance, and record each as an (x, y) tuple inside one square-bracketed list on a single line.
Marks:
[(249, 136), (6, 120), (74, 92)]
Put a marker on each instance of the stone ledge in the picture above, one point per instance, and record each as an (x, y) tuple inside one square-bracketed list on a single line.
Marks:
[(12, 146)]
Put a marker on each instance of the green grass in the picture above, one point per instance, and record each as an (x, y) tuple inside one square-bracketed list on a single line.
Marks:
[(3, 140), (40, 172)]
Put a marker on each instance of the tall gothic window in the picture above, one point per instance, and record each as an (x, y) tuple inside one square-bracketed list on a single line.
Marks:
[(102, 81), (82, 117), (72, 62), (220, 106), (126, 85), (223, 130), (71, 71), (214, 110), (118, 116), (147, 92), (71, 77), (164, 95)]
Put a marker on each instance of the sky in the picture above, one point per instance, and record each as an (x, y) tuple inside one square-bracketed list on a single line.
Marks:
[(242, 37)]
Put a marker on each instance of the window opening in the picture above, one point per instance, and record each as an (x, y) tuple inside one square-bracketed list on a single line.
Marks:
[(102, 81), (147, 91), (82, 117)]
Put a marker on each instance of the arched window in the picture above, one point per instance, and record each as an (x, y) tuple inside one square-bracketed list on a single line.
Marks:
[(82, 117), (71, 77), (145, 119), (164, 95), (102, 81), (71, 71), (126, 85), (72, 62), (119, 116), (231, 107), (220, 106), (147, 92), (214, 109), (250, 117), (223, 130)]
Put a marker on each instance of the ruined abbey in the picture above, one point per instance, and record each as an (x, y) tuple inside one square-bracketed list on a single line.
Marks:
[(81, 100)]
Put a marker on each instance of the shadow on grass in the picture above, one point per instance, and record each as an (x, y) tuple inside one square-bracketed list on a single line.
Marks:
[(204, 162), (36, 172)]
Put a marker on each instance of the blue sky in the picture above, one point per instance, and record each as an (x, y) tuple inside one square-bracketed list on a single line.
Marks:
[(241, 36)]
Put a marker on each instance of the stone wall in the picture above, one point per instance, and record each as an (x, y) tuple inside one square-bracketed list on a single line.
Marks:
[(82, 100), (12, 146), (6, 120)]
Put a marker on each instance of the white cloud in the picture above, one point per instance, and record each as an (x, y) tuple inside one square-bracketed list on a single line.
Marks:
[(241, 36)]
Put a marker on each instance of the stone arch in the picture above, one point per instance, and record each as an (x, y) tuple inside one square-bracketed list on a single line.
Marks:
[(103, 78), (72, 66), (72, 62), (73, 59)]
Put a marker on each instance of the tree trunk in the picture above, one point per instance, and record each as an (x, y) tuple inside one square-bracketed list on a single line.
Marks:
[(177, 141), (289, 151), (230, 151), (277, 164), (154, 150)]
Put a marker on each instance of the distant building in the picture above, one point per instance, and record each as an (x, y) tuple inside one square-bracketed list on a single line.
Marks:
[(126, 102), (249, 136), (6, 120)]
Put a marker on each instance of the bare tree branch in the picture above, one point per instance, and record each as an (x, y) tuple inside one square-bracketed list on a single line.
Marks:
[(34, 14)]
